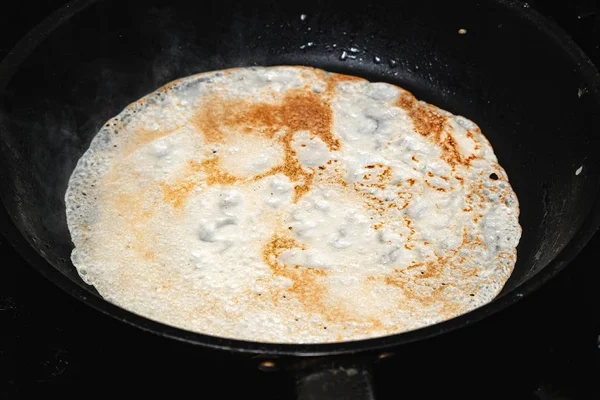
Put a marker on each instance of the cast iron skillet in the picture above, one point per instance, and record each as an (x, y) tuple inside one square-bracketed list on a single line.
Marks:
[(531, 89)]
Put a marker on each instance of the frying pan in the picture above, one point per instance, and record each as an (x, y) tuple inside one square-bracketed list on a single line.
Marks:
[(533, 92)]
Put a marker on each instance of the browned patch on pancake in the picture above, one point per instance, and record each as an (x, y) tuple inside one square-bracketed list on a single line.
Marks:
[(334, 177), (434, 187), (435, 276), (292, 168), (177, 193), (209, 118), (378, 178), (335, 79), (208, 172), (304, 187), (434, 269), (446, 307), (307, 287), (429, 122), (450, 150), (385, 175), (213, 172), (339, 78), (305, 282), (299, 110), (409, 291), (426, 119)]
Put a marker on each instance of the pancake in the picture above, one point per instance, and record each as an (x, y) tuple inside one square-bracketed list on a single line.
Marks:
[(291, 205)]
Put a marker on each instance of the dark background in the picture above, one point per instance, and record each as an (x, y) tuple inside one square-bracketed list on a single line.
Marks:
[(544, 347)]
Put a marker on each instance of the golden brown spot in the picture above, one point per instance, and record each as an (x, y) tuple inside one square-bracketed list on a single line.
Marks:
[(429, 122), (385, 175), (433, 271), (405, 283), (214, 174), (394, 280), (467, 161), (306, 285), (339, 78), (470, 135), (303, 188), (299, 110), (177, 193), (275, 247), (426, 119), (397, 279), (208, 171)]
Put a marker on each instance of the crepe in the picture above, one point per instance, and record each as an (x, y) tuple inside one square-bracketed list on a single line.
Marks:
[(291, 205)]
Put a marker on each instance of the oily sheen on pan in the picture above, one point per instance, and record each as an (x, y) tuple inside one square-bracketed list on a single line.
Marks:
[(289, 204)]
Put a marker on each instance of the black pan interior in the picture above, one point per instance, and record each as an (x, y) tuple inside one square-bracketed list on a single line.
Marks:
[(533, 97)]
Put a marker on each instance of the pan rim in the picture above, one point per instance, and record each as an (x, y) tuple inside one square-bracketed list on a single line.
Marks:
[(28, 44)]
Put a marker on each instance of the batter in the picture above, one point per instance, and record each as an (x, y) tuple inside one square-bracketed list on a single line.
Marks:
[(288, 204)]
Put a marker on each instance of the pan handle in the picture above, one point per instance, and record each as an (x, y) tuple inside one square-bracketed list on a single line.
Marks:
[(334, 380)]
